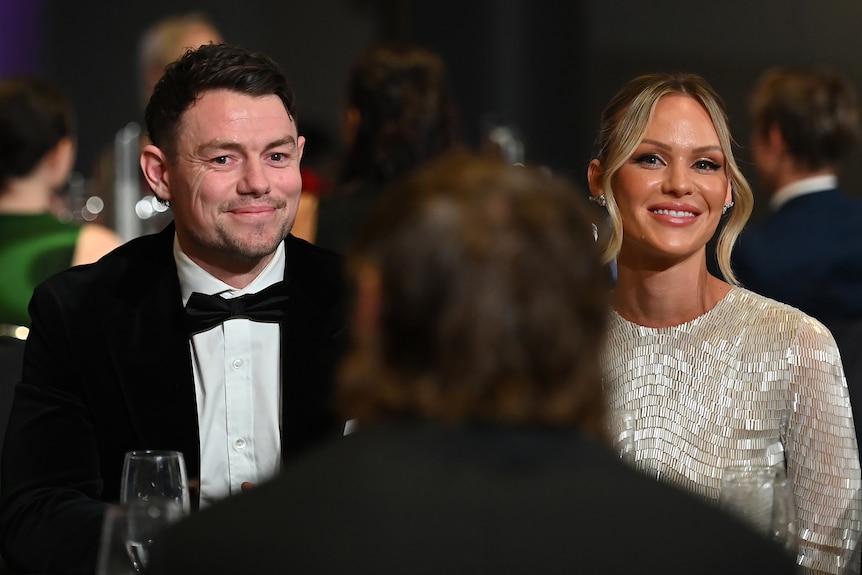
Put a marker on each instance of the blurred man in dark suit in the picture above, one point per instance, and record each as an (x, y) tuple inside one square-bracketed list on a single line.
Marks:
[(808, 251)]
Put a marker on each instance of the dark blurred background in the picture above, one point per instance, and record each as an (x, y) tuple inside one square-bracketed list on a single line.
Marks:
[(543, 68)]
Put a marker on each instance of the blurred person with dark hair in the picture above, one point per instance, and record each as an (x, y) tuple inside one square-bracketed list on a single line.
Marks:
[(37, 152), (807, 252), (217, 337), (478, 318), (399, 115)]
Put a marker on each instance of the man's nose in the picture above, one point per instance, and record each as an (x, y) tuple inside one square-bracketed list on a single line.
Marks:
[(254, 179)]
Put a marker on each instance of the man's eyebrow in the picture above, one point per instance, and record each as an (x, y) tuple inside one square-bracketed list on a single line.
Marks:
[(234, 146), (287, 141)]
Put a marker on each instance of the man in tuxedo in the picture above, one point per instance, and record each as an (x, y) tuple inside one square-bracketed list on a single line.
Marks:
[(474, 379), (807, 252), (216, 337)]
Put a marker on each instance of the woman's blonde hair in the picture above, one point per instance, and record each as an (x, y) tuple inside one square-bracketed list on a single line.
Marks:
[(624, 122)]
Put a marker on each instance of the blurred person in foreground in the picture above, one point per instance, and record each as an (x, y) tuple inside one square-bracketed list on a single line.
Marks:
[(245, 321), (37, 152), (716, 375), (400, 114), (479, 313)]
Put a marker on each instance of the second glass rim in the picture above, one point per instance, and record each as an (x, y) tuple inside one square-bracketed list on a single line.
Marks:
[(153, 452)]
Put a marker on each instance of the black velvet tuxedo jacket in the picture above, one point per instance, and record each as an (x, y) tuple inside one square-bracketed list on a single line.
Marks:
[(107, 369), (426, 499)]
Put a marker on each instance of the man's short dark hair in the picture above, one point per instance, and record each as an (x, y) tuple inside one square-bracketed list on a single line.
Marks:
[(211, 67), (815, 110), (34, 116)]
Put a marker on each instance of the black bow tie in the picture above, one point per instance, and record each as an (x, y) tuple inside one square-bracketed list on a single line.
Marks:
[(206, 311)]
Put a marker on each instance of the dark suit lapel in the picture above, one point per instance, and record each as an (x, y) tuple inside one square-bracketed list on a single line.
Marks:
[(312, 339), (300, 392), (152, 356)]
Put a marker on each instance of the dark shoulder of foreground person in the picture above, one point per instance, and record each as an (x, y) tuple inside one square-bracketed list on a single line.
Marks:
[(381, 497)]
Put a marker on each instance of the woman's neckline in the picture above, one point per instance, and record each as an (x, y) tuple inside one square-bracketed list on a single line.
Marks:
[(730, 295)]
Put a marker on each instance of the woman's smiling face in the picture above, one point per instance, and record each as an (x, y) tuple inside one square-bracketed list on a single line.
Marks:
[(671, 191)]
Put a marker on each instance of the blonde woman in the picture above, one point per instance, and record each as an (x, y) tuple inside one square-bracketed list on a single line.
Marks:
[(716, 375)]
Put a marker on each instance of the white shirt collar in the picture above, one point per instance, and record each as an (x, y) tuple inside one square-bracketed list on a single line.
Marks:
[(194, 278), (802, 187)]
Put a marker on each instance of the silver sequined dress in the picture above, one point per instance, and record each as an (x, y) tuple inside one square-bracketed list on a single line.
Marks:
[(752, 380)]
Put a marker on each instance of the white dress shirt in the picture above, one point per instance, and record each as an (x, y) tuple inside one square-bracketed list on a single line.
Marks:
[(237, 371), (802, 187)]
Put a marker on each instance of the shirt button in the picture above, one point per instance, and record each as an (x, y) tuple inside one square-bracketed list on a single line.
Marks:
[(239, 443), (237, 363)]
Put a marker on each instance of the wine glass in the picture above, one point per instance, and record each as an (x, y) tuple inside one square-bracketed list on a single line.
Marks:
[(747, 491), (157, 476), (762, 496), (623, 433), (154, 493), (784, 528), (115, 557)]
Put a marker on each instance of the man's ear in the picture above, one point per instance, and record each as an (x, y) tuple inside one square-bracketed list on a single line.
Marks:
[(594, 178), (775, 139), (154, 165), (300, 147)]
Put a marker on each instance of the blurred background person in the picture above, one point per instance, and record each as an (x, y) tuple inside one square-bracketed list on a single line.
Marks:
[(315, 181), (807, 251), (716, 375), (399, 115), (480, 445), (129, 207), (168, 39), (37, 151)]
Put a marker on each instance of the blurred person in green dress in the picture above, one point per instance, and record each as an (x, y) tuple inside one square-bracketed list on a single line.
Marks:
[(37, 152)]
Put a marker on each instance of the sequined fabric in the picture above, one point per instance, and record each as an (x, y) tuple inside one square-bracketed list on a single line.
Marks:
[(752, 380)]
